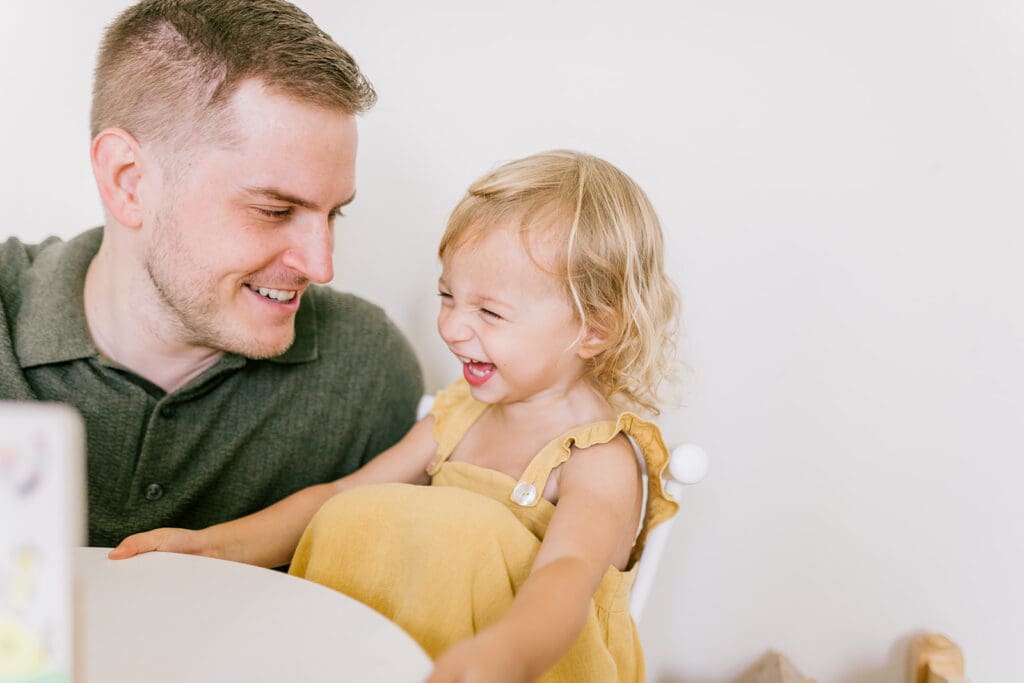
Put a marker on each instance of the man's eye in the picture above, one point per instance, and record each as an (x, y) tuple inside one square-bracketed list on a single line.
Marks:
[(273, 213)]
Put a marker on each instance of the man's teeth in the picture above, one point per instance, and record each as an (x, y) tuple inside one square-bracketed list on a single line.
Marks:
[(275, 294)]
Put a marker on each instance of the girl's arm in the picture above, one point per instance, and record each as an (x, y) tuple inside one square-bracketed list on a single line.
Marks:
[(593, 527), (268, 538)]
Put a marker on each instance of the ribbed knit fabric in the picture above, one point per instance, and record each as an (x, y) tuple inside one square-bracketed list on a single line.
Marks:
[(240, 436)]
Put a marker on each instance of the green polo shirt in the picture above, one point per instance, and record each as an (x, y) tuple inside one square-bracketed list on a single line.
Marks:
[(240, 436)]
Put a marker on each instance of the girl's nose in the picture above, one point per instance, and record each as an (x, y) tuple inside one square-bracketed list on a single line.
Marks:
[(453, 326)]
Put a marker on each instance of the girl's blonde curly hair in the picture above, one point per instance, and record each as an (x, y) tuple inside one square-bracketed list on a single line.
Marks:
[(612, 260)]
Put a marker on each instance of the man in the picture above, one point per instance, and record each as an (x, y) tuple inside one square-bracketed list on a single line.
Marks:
[(214, 374)]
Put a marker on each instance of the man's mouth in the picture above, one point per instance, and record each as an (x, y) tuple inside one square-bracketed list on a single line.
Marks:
[(282, 296)]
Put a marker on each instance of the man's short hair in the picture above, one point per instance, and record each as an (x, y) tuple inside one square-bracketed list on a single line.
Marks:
[(166, 68)]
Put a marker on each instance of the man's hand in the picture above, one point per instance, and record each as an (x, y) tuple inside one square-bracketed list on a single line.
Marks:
[(163, 540)]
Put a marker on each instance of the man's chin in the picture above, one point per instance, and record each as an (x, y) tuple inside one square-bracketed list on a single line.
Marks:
[(260, 349)]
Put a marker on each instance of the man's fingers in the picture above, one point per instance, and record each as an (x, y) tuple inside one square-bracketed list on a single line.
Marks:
[(133, 545), (147, 541)]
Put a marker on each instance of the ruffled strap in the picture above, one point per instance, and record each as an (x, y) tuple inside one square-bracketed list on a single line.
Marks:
[(647, 438), (454, 412)]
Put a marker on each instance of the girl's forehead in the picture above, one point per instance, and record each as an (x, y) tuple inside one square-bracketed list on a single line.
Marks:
[(543, 244), (501, 261)]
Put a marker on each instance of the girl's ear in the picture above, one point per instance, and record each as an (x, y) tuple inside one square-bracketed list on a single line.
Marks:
[(592, 343)]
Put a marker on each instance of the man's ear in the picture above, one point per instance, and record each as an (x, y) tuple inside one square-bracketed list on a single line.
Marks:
[(117, 165)]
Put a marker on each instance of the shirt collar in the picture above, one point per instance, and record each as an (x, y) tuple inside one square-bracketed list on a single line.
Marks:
[(51, 325)]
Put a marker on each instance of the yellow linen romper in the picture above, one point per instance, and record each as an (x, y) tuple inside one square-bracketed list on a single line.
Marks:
[(444, 561)]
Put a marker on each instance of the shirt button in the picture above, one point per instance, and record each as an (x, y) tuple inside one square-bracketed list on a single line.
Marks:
[(167, 411), (524, 493), (154, 492)]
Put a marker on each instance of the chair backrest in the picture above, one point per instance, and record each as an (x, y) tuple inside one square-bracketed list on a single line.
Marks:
[(688, 465), (426, 403)]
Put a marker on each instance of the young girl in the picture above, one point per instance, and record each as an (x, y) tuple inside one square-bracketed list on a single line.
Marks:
[(515, 562)]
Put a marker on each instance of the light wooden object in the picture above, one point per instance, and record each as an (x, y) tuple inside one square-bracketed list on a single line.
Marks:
[(934, 658), (774, 668)]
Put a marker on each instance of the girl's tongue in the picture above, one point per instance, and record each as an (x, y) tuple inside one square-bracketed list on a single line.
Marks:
[(477, 373)]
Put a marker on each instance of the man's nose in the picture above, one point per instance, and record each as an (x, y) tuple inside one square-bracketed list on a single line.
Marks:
[(312, 250)]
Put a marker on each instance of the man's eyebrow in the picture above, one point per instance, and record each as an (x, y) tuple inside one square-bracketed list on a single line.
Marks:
[(274, 193)]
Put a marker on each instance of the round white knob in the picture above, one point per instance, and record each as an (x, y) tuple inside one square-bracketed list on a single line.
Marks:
[(689, 463)]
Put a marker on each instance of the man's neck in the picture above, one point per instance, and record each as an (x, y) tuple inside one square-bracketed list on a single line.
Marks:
[(131, 329)]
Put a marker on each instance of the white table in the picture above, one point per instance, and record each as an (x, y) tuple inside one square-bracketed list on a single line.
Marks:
[(162, 617)]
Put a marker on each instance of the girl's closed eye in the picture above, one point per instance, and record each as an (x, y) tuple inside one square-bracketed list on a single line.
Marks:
[(490, 314)]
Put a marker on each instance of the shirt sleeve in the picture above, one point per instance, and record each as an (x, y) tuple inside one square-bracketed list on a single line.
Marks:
[(399, 391)]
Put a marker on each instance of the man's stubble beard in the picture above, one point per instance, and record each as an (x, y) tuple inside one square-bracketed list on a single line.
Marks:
[(191, 304)]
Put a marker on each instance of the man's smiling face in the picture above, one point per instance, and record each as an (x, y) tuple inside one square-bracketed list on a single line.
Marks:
[(246, 226)]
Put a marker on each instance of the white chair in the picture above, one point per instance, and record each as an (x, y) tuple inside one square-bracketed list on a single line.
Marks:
[(687, 465)]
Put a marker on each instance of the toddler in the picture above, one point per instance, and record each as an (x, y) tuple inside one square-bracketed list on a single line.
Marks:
[(501, 531)]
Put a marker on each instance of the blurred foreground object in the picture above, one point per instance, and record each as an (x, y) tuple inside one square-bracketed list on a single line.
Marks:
[(774, 668), (934, 658), (42, 505)]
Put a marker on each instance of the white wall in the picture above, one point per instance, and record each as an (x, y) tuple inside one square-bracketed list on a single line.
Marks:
[(840, 184)]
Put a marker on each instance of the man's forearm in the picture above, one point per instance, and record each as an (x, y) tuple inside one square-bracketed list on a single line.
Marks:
[(268, 538)]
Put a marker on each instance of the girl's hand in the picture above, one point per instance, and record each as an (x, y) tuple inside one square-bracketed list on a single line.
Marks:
[(164, 540), (482, 659)]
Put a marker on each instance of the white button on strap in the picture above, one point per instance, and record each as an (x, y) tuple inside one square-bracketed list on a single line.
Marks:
[(524, 493)]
